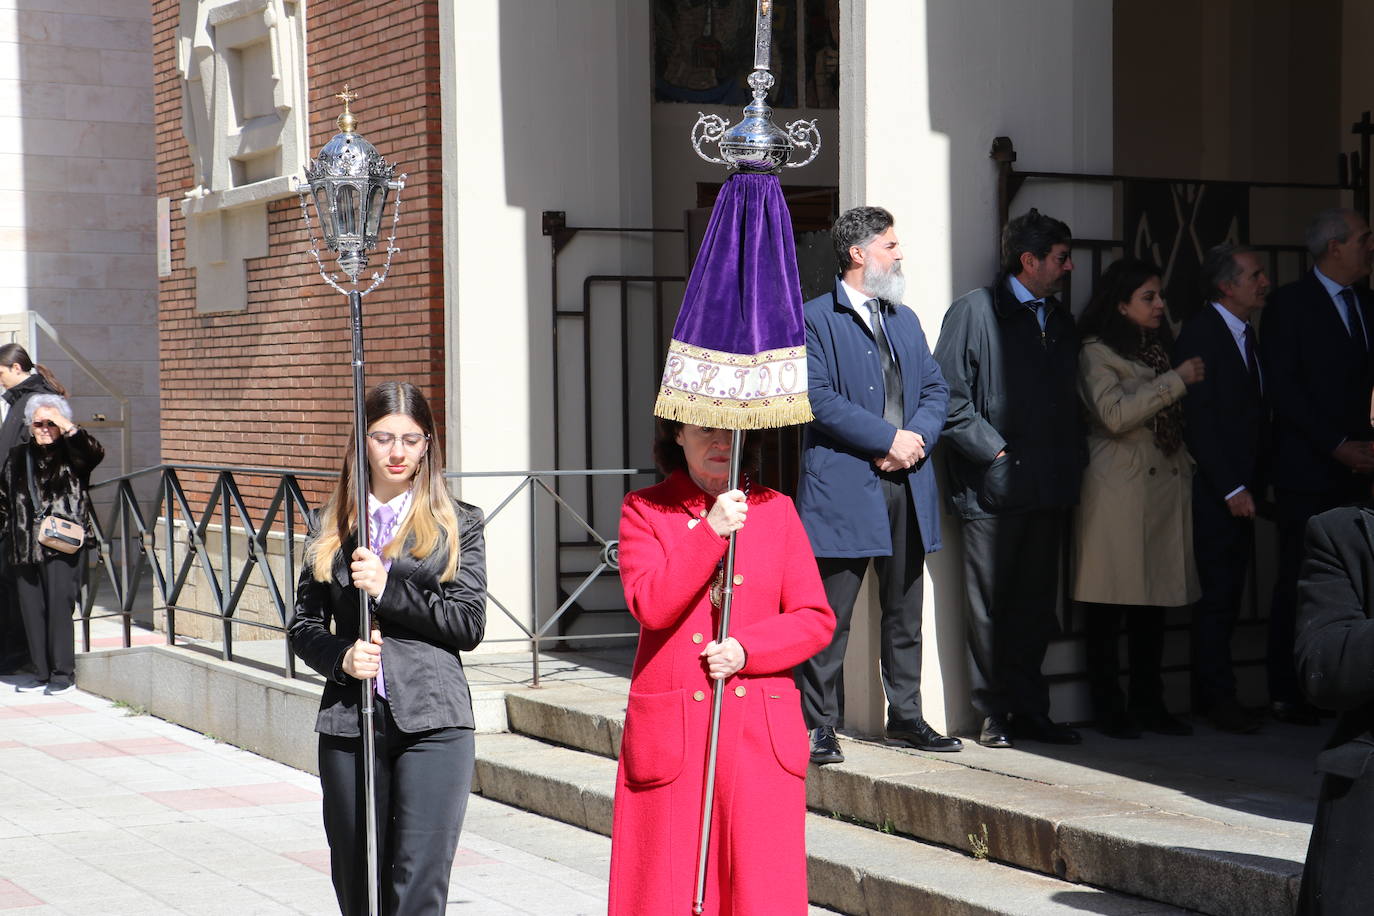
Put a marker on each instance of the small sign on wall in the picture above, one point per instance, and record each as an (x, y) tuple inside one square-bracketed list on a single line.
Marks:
[(164, 237)]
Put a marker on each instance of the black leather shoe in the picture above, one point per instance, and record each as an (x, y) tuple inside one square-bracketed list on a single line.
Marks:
[(1296, 712), (917, 733), (995, 732), (825, 747), (1229, 716), (1042, 728)]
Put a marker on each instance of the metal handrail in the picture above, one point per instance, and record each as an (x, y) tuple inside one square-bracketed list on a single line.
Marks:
[(127, 548)]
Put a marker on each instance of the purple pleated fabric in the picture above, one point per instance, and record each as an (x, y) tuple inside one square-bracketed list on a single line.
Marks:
[(738, 355)]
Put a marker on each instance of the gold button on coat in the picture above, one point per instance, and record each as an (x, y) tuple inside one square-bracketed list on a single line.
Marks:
[(739, 580), (698, 696), (696, 637), (739, 691)]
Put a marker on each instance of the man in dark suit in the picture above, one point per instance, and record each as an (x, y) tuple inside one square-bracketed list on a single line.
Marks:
[(1335, 658), (1010, 355), (1227, 433), (867, 490), (1316, 352)]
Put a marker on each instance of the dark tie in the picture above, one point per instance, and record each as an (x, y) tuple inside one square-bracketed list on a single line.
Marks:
[(1354, 321), (1251, 361), (892, 376), (1041, 307)]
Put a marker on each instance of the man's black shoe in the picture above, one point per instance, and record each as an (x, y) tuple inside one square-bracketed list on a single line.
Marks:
[(1229, 716), (917, 733), (1160, 721), (825, 747), (1042, 728), (1297, 712), (995, 732)]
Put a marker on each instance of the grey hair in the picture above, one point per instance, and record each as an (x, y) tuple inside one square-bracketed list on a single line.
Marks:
[(1219, 267), (55, 401), (1330, 225), (858, 226)]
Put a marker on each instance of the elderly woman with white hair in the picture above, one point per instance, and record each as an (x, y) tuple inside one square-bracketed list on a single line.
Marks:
[(47, 477)]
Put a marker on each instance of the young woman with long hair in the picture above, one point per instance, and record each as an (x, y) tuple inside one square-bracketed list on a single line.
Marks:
[(425, 571)]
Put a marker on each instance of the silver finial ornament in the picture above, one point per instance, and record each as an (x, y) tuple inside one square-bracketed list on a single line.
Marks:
[(756, 144), (349, 183)]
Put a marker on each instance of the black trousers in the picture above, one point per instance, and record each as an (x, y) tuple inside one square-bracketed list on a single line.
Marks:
[(821, 677), (1223, 547), (1294, 509), (422, 780), (47, 593), (14, 643), (1144, 651), (1011, 585)]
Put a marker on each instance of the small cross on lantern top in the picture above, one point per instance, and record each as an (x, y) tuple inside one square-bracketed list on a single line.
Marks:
[(346, 121)]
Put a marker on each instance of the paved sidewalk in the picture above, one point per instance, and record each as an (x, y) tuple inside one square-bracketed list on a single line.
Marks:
[(107, 811)]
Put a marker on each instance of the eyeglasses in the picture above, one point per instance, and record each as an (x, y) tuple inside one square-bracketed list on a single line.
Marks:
[(411, 441), (44, 424)]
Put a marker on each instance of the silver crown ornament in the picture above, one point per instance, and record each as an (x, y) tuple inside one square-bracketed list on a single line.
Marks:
[(756, 144)]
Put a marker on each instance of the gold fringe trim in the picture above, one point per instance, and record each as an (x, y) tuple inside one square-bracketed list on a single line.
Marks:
[(727, 413)]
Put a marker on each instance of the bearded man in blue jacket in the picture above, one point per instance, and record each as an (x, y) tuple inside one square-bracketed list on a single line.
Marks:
[(867, 489)]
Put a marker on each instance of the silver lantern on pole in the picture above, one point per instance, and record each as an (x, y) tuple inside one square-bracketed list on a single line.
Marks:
[(348, 185), (754, 145)]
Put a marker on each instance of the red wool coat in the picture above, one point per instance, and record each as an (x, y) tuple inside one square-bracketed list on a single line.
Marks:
[(780, 616)]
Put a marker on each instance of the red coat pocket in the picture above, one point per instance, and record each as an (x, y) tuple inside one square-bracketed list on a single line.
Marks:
[(655, 738), (786, 730)]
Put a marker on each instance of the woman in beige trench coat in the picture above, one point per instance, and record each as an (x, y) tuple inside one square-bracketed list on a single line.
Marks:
[(1133, 538)]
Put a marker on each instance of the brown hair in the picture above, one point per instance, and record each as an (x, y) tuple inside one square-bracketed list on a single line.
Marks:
[(12, 354), (431, 516), (669, 456)]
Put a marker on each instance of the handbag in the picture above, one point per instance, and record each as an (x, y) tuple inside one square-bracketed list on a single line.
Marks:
[(54, 531)]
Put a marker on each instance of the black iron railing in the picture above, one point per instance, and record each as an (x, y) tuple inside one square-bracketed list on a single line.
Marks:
[(168, 535)]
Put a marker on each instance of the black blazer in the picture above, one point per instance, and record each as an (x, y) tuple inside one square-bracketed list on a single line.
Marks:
[(1227, 424), (1318, 380), (425, 624), (1335, 659)]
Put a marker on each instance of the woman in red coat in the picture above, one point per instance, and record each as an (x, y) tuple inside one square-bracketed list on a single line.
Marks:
[(673, 538)]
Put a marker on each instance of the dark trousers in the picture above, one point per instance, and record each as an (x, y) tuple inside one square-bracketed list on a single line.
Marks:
[(1223, 547), (47, 593), (1011, 585), (1144, 652), (422, 781), (821, 678), (1294, 509), (14, 643)]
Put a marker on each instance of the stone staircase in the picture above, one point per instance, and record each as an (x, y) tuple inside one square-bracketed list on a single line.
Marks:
[(892, 831)]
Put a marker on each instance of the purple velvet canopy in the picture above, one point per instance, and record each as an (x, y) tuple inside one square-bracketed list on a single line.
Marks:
[(738, 354)]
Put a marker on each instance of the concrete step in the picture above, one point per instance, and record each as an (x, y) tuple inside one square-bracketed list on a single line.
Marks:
[(851, 869), (1118, 834)]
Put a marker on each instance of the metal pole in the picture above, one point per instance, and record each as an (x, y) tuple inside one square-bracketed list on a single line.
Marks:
[(718, 692), (361, 472)]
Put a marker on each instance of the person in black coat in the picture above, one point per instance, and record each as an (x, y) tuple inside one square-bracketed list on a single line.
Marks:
[(425, 570), (1016, 449), (1335, 663), (1227, 431), (47, 475), (21, 380), (1317, 343)]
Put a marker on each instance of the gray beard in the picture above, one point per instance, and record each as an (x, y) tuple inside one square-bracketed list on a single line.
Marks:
[(889, 285)]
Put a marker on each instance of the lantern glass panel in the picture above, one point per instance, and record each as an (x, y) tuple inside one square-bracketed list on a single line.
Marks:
[(348, 211), (326, 214), (376, 205)]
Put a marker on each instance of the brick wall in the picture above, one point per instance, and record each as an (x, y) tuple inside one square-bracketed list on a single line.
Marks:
[(271, 385)]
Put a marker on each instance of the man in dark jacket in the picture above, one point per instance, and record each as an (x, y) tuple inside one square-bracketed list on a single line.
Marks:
[(1316, 356), (1016, 455), (1227, 432), (867, 490), (1335, 658)]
